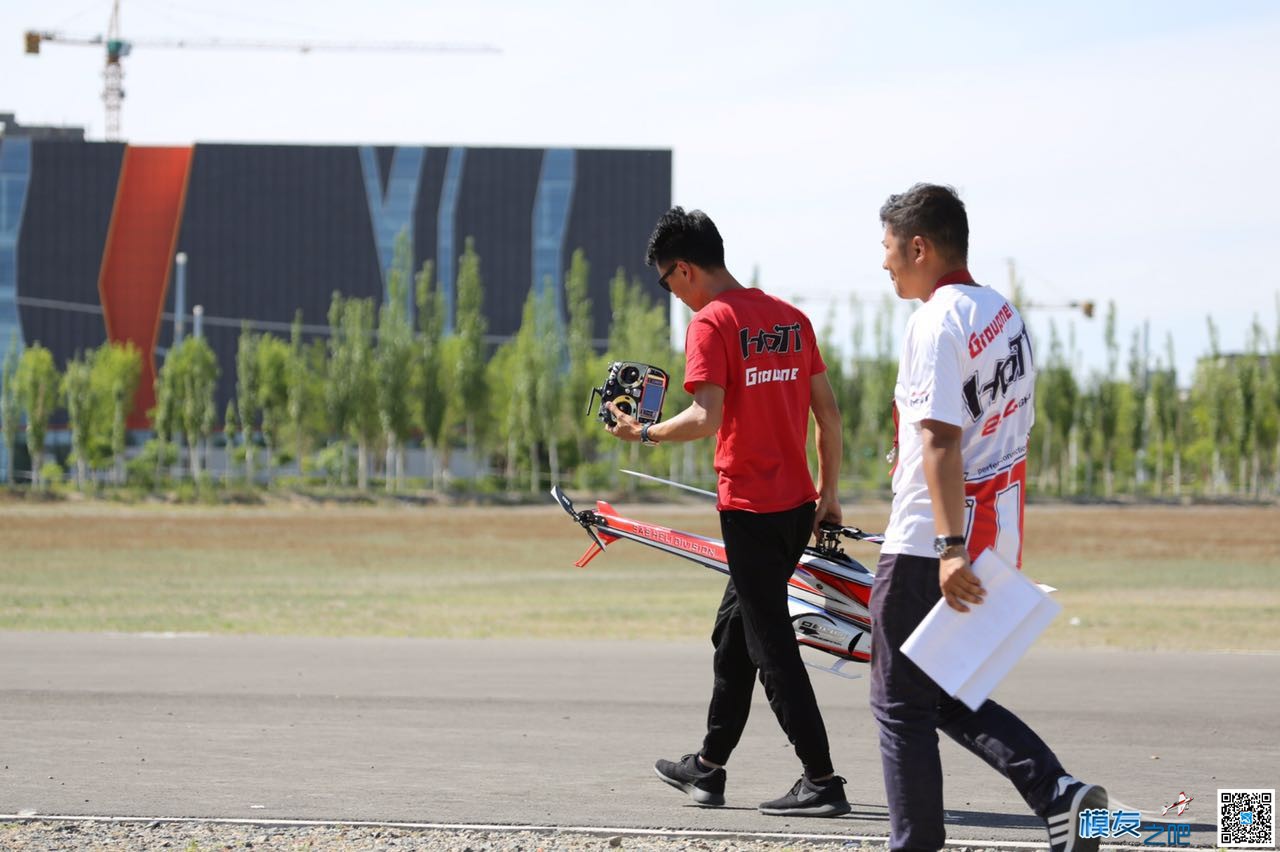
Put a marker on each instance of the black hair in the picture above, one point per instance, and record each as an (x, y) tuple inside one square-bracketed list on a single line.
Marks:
[(690, 237), (933, 212)]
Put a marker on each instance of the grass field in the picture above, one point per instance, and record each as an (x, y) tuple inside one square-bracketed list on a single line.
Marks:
[(1185, 578)]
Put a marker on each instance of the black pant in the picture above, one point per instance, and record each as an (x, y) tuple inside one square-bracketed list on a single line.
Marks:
[(911, 708), (753, 634)]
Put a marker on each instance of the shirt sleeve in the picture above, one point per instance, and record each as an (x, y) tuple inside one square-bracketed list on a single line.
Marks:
[(704, 356), (932, 377)]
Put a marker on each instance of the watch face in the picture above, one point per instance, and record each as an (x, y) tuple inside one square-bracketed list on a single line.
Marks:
[(942, 544)]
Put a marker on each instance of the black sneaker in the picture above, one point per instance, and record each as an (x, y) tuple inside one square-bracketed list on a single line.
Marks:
[(706, 786), (1064, 815), (811, 798)]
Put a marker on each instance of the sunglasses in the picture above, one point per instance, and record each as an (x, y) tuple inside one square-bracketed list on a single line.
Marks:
[(662, 282)]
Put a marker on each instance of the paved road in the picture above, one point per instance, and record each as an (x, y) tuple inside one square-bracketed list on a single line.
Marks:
[(560, 733)]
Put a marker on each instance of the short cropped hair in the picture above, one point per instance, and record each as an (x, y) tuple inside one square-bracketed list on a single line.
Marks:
[(933, 212), (690, 237)]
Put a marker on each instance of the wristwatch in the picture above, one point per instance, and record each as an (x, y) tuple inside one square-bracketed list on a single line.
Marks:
[(943, 543), (644, 436)]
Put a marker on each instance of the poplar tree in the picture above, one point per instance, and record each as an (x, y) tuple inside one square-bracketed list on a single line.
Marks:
[(357, 343), (10, 407), (1139, 391), (428, 380), (297, 385), (1108, 401), (185, 392), (465, 362), (116, 371), (1212, 394), (1249, 383), (337, 386), (78, 397), (272, 398), (247, 379), (585, 368), (37, 383), (393, 363)]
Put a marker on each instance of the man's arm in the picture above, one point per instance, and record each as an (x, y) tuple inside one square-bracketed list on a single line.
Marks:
[(700, 419), (944, 474), (826, 416)]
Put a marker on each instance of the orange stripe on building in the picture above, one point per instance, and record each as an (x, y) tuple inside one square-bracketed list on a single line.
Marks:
[(138, 259)]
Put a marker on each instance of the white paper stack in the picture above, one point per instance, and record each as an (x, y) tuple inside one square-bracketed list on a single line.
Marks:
[(969, 653)]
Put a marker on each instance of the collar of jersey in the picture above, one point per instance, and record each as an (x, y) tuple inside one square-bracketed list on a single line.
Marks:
[(955, 276)]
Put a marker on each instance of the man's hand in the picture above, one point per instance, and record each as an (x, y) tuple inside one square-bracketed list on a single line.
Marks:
[(959, 584), (624, 426), (828, 512)]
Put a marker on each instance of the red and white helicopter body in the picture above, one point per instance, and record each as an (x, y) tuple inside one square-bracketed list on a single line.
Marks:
[(829, 594)]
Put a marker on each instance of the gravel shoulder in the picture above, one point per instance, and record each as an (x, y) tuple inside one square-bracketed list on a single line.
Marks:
[(38, 835)]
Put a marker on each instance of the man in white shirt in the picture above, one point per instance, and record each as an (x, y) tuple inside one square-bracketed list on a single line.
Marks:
[(964, 405)]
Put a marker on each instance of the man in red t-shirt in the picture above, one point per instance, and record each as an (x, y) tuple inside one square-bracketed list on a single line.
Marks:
[(753, 367)]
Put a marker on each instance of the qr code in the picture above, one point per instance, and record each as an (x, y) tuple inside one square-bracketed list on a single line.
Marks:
[(1247, 818)]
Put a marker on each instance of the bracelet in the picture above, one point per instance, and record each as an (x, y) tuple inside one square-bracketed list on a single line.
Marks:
[(644, 436)]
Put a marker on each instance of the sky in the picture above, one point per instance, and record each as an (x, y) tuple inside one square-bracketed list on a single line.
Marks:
[(1117, 152)]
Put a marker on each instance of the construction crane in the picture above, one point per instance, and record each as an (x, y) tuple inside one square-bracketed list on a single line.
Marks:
[(118, 47)]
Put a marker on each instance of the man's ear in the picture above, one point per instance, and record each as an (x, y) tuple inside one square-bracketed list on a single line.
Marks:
[(919, 248)]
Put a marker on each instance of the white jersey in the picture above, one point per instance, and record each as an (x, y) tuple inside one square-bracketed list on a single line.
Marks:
[(966, 360)]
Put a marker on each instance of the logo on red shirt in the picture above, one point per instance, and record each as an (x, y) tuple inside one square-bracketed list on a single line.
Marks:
[(783, 338)]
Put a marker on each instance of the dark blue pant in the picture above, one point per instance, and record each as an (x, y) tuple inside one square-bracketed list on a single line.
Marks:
[(753, 635), (911, 708)]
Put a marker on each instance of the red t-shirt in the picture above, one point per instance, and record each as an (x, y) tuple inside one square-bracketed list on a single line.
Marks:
[(762, 351)]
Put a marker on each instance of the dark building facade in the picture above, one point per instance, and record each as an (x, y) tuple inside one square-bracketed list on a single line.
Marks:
[(89, 231)]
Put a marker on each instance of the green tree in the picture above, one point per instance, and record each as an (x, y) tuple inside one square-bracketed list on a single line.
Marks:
[(585, 367), (837, 376), (881, 375), (247, 381), (78, 397), (550, 386), (187, 382), (1172, 414), (1058, 397), (1272, 394), (116, 371), (164, 422), (509, 411), (1249, 382), (339, 392), (538, 365), (230, 428), (853, 396), (10, 407), (465, 364), (428, 379), (1139, 389), (1164, 415), (357, 344), (1109, 401), (298, 389), (37, 381), (1212, 394), (273, 358), (394, 363)]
